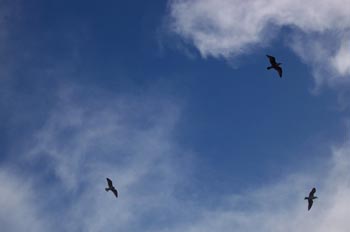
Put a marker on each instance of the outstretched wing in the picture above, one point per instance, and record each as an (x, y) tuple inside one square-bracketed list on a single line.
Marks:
[(311, 195), (110, 183), (115, 192), (279, 70), (272, 59), (310, 204)]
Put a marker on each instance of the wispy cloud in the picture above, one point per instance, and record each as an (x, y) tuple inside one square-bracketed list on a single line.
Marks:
[(59, 177), (228, 28), (87, 137)]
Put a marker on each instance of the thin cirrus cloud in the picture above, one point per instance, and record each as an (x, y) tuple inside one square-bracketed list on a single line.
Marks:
[(226, 28), (84, 140), (87, 138)]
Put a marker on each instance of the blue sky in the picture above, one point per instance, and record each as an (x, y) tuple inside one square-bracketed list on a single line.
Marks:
[(172, 101)]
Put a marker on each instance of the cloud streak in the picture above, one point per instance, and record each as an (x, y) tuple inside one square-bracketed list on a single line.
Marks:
[(280, 206)]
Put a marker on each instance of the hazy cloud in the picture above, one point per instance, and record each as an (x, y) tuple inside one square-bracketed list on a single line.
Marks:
[(19, 203), (90, 135)]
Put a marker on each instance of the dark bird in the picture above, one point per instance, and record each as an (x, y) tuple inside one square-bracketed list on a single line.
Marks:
[(111, 187), (275, 65), (311, 198)]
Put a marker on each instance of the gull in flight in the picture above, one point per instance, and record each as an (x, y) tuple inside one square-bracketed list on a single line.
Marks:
[(111, 187), (275, 65), (311, 198)]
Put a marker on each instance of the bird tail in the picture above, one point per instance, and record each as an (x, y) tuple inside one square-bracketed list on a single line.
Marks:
[(107, 189), (269, 67)]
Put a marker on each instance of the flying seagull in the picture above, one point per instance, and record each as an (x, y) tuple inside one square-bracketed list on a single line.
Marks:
[(275, 65), (111, 187), (311, 198)]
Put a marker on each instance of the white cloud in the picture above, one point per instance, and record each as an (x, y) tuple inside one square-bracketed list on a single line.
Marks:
[(341, 60), (227, 28)]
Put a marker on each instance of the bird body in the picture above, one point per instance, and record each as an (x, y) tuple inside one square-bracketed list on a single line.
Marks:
[(274, 65), (111, 187), (311, 198)]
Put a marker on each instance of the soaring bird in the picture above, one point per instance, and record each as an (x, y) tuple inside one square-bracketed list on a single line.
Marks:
[(275, 65), (311, 198), (111, 187)]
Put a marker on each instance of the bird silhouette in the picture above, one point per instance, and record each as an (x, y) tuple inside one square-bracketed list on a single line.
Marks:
[(311, 198), (111, 187), (275, 65)]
